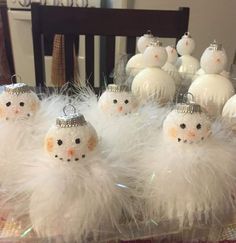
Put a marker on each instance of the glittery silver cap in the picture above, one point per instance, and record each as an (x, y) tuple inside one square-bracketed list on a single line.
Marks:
[(117, 88), (188, 105), (187, 34), (74, 120), (214, 46), (188, 108), (148, 34), (18, 88)]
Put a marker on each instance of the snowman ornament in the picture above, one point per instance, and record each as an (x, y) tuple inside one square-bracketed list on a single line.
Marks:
[(192, 181), (212, 90), (136, 63), (186, 64), (18, 102), (152, 83), (170, 67), (73, 188), (117, 100)]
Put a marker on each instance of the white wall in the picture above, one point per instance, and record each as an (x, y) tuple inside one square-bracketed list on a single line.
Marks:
[(209, 19)]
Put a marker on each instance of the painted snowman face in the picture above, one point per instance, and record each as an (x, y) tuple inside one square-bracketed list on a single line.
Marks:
[(186, 127), (155, 56), (185, 45), (144, 41), (213, 61), (18, 106), (172, 54), (117, 103), (71, 144)]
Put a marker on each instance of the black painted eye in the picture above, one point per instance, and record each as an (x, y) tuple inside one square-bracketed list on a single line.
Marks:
[(22, 103), (199, 126), (126, 101), (77, 140), (183, 126), (59, 142), (114, 101), (8, 103)]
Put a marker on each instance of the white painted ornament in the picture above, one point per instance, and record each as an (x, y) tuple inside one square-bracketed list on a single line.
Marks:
[(117, 100), (187, 65), (18, 102), (170, 67), (229, 111), (144, 41), (212, 90), (136, 63), (200, 72), (152, 83)]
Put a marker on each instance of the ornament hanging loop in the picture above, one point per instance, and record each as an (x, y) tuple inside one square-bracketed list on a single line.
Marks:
[(65, 109), (14, 79), (187, 33), (188, 98)]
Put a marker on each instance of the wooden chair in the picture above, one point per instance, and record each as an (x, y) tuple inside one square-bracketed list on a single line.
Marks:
[(72, 22)]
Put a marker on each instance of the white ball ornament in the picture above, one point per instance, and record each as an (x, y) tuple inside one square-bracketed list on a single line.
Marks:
[(187, 65), (229, 111), (187, 124), (213, 59), (117, 100), (135, 65), (144, 41), (171, 54), (152, 83), (212, 90), (18, 102)]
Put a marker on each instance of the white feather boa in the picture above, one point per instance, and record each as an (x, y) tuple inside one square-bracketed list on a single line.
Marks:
[(75, 201), (193, 182)]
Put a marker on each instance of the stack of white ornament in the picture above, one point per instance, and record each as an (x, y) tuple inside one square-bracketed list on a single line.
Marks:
[(170, 67), (212, 90), (189, 171), (136, 63), (152, 83), (187, 65)]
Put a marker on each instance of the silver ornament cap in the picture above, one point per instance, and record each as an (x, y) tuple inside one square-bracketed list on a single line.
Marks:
[(117, 88), (188, 106), (18, 88), (70, 120), (214, 46)]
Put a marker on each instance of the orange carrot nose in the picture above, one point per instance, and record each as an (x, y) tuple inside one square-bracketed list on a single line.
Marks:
[(156, 56), (191, 134), (17, 111), (120, 108), (218, 60), (70, 152), (186, 43)]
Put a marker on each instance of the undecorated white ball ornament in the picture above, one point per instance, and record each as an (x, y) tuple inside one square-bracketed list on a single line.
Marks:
[(212, 90), (117, 100), (18, 102), (144, 41), (229, 111)]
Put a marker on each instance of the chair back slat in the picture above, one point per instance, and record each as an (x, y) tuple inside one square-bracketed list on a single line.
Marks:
[(69, 57), (89, 58), (130, 45), (110, 57)]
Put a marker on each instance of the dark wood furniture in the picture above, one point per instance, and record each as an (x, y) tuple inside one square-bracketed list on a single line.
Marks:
[(104, 22)]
